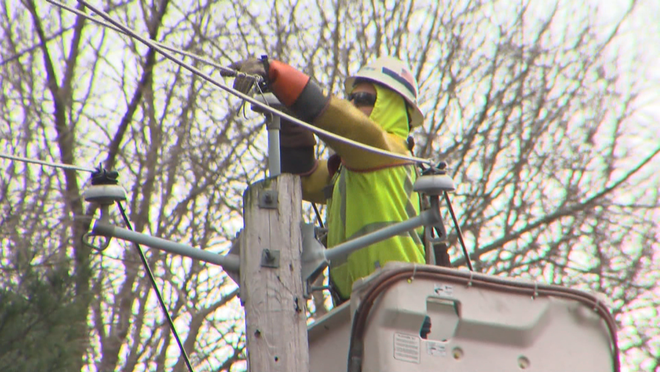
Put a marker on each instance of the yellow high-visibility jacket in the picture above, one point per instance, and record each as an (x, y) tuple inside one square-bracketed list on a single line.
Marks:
[(369, 191)]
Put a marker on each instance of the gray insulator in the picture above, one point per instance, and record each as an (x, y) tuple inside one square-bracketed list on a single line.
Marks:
[(104, 194)]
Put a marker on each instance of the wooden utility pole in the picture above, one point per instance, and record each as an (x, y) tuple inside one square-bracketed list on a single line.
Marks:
[(271, 287)]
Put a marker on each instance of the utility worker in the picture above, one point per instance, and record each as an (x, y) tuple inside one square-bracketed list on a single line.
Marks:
[(364, 191)]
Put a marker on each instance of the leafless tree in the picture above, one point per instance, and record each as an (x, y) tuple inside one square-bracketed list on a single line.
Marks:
[(541, 121)]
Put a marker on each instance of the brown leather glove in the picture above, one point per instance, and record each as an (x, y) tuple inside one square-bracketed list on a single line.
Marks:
[(292, 87), (251, 66), (288, 84)]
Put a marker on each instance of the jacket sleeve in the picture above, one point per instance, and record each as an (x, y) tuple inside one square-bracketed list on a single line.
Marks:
[(306, 99), (342, 118), (314, 183)]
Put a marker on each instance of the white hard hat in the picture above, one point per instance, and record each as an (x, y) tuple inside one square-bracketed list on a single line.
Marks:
[(395, 75)]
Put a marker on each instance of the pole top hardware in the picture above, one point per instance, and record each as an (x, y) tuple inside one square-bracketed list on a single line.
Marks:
[(105, 189), (434, 185), (441, 168), (267, 99), (102, 176)]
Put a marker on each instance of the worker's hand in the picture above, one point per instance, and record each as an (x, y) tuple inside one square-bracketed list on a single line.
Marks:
[(251, 66), (286, 83)]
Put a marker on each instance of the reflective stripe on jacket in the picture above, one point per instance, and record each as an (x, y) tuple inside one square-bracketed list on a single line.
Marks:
[(363, 202)]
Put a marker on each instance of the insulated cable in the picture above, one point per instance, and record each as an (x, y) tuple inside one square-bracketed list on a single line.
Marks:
[(248, 98), (46, 163), (152, 279), (318, 215), (164, 46), (458, 231)]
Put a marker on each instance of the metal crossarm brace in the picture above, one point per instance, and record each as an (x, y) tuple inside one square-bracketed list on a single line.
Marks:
[(229, 262)]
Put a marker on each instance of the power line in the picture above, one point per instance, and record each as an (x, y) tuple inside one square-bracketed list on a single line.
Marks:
[(248, 98), (46, 163), (164, 46)]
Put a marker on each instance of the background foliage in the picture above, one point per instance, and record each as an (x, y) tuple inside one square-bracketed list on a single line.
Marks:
[(543, 109)]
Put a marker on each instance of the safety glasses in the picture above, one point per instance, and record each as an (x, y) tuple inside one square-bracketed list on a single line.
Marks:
[(362, 99)]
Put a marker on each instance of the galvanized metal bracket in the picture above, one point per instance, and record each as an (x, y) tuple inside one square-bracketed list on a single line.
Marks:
[(268, 199), (270, 258)]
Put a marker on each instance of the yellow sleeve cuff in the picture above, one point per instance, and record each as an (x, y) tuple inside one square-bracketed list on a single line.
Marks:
[(313, 184)]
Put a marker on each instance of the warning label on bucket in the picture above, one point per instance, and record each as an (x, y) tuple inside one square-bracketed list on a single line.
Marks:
[(437, 349), (443, 289), (407, 347)]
